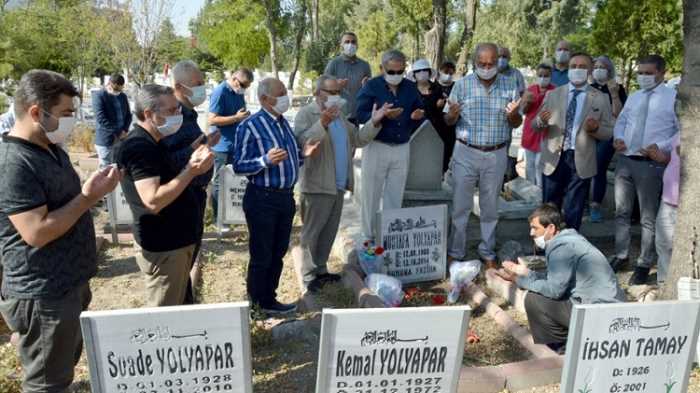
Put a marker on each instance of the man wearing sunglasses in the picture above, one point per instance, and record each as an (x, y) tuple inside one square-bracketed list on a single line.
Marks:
[(227, 109), (385, 160)]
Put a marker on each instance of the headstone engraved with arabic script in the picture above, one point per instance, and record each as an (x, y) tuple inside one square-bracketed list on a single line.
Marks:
[(631, 347), (184, 349), (415, 242), (231, 191), (409, 350)]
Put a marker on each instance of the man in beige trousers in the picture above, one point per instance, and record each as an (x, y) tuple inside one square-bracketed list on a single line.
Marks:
[(327, 175)]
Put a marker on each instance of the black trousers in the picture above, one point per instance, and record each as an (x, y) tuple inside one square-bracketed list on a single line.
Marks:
[(200, 194), (567, 190), (269, 215), (548, 318)]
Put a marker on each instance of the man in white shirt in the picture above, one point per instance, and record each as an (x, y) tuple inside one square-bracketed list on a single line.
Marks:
[(646, 125)]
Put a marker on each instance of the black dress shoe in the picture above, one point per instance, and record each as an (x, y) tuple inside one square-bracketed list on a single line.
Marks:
[(315, 285), (618, 264), (640, 276), (277, 308)]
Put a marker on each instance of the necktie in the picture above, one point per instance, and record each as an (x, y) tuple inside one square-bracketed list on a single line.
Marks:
[(640, 124), (569, 139)]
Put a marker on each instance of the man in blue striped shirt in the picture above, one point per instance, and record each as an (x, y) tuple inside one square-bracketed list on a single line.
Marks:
[(266, 152)]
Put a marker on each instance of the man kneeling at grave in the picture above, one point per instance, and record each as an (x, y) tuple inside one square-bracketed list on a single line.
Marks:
[(577, 273), (326, 176)]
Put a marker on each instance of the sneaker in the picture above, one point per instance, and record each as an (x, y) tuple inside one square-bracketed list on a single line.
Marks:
[(618, 264), (640, 276), (277, 308), (596, 214)]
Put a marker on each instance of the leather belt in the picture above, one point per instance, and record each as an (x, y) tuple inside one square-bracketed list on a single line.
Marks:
[(271, 189), (485, 149), (639, 158)]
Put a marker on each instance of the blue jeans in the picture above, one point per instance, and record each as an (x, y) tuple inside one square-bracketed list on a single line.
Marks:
[(604, 154), (220, 159), (104, 155), (567, 190), (269, 215)]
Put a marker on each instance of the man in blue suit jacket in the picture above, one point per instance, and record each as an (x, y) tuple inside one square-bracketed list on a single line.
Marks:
[(112, 117)]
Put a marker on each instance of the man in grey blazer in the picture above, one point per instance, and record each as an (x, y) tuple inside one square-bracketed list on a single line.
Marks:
[(573, 117)]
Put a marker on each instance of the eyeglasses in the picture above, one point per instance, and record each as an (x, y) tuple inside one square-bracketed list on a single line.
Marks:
[(400, 72), (243, 85), (331, 92)]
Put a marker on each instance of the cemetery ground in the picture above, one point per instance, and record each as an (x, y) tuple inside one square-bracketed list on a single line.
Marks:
[(284, 359)]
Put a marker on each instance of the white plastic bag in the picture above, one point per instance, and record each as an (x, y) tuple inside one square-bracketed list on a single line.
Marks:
[(461, 275), (387, 288)]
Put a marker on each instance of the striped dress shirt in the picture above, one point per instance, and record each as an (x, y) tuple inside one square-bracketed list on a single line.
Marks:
[(254, 137)]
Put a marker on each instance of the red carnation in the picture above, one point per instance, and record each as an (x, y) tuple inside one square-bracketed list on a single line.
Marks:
[(379, 250), (439, 299)]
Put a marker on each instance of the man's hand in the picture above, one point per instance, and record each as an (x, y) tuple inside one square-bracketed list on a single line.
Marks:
[(527, 98), (241, 115), (197, 142), (417, 114), (619, 145), (122, 135), (513, 107), (506, 275), (328, 115), (311, 148), (276, 155), (201, 160), (213, 138), (441, 103), (653, 152), (591, 125), (393, 113), (101, 183), (343, 83), (516, 268), (364, 80), (545, 116), (379, 114)]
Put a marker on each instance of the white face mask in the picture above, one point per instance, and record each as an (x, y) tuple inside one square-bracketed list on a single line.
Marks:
[(578, 76), (600, 75), (349, 49), (393, 79), (540, 242), (486, 74), (445, 78), (561, 56), (199, 95), (282, 104), (544, 81), (171, 126), (65, 127), (646, 82), (335, 101), (422, 76)]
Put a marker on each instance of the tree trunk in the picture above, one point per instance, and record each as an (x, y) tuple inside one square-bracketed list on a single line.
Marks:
[(301, 29), (435, 37), (686, 242), (467, 34), (314, 19), (271, 12)]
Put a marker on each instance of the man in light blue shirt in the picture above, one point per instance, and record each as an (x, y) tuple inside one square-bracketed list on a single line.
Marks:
[(647, 124), (577, 273)]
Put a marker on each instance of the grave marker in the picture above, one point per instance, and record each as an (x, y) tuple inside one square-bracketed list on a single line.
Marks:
[(631, 347), (119, 211), (425, 166), (415, 242), (403, 350), (231, 190), (202, 348)]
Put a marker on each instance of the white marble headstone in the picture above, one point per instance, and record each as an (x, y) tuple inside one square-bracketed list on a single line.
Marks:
[(425, 166)]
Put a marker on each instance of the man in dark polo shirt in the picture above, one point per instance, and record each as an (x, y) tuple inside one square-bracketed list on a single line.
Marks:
[(47, 238), (164, 207), (188, 85)]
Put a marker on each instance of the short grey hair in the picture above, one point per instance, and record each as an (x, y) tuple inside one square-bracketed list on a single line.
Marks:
[(393, 55), (183, 70), (608, 64), (148, 98), (321, 80), (265, 87), (483, 46)]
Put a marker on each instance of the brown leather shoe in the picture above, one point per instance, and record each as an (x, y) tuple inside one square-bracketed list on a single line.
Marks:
[(490, 264)]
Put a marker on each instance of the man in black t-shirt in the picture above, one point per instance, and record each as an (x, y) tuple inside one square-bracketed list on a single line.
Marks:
[(47, 237), (164, 207)]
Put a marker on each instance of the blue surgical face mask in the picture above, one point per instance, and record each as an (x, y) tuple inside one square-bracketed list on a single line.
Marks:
[(502, 63), (199, 95)]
